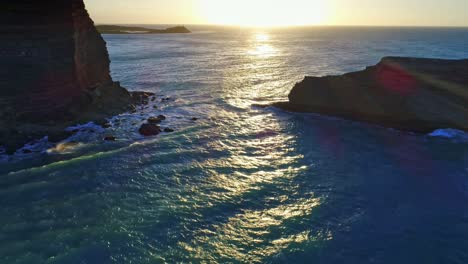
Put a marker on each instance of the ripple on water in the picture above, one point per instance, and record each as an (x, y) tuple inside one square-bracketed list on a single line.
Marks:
[(241, 184)]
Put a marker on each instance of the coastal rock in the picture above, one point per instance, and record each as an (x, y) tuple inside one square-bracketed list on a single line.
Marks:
[(149, 130), (412, 94), (54, 71)]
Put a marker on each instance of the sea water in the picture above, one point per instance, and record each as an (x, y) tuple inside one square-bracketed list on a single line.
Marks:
[(241, 183)]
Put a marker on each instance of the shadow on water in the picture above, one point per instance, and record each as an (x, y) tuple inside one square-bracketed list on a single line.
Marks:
[(392, 201)]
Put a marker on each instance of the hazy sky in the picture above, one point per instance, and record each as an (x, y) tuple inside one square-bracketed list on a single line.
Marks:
[(282, 12)]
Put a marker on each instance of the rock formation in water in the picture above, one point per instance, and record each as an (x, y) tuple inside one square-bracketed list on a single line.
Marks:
[(54, 70), (419, 95)]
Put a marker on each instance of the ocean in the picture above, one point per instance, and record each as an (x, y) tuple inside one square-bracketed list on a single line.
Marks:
[(242, 184)]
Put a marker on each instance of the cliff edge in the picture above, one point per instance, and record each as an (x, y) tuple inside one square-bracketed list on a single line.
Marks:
[(54, 71), (413, 94)]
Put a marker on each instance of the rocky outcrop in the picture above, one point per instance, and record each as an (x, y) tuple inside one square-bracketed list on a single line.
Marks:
[(412, 94), (149, 130), (54, 70), (91, 56)]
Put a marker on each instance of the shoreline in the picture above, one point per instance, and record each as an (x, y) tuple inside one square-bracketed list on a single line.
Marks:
[(106, 102), (52, 85)]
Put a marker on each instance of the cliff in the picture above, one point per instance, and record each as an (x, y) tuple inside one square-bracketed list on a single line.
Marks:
[(413, 94), (54, 70)]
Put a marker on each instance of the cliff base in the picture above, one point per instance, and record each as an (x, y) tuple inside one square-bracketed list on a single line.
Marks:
[(96, 106)]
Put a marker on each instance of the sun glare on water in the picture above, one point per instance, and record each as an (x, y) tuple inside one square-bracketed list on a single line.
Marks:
[(264, 13)]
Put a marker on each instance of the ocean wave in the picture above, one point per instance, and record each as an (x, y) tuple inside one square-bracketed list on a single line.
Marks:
[(44, 146), (88, 126), (450, 133)]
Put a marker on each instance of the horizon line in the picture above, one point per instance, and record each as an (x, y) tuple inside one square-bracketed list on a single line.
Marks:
[(286, 26)]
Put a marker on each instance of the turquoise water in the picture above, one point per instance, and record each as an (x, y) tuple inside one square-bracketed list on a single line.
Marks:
[(243, 184)]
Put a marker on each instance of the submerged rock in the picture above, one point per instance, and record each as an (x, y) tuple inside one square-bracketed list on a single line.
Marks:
[(412, 94), (110, 138), (149, 130), (168, 130)]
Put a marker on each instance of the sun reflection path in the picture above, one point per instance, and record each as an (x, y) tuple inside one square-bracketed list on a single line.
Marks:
[(253, 223), (262, 37), (259, 79), (258, 229), (261, 46), (249, 203), (264, 50)]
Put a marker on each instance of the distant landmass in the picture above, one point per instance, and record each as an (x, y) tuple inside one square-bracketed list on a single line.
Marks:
[(112, 29)]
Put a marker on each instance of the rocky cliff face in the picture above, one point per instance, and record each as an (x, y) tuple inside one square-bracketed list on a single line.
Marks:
[(37, 70), (54, 69), (91, 57), (419, 95)]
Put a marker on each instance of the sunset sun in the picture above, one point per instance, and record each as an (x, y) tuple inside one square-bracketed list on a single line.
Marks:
[(264, 13)]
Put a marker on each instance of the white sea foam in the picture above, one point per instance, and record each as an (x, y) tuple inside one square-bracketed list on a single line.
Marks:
[(450, 133), (86, 127), (45, 147)]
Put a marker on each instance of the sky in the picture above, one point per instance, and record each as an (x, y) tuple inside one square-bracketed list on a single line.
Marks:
[(281, 12)]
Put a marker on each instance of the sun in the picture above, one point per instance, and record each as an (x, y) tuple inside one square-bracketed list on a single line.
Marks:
[(263, 13)]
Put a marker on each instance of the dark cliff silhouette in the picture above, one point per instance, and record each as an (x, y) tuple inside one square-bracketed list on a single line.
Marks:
[(419, 95), (54, 70)]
